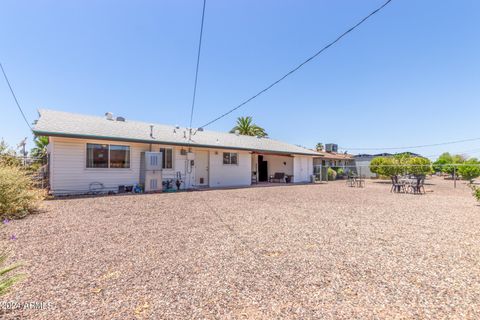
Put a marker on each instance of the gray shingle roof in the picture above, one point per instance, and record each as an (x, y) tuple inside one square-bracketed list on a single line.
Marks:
[(58, 123)]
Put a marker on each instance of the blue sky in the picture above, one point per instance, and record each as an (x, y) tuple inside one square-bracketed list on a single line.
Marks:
[(409, 76)]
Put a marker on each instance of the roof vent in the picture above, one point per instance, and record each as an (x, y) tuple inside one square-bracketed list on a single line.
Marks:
[(200, 129), (122, 119), (151, 130), (237, 132), (109, 115)]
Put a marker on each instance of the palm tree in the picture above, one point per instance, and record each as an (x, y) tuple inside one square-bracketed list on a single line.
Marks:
[(40, 150), (245, 127), (319, 146)]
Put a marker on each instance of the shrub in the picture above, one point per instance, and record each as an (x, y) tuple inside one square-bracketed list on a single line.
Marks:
[(8, 156), (340, 171), (476, 193), (6, 279), (18, 197), (470, 169), (332, 174)]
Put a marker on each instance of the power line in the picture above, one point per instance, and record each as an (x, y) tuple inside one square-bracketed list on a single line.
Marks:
[(299, 66), (15, 97), (415, 147), (198, 64)]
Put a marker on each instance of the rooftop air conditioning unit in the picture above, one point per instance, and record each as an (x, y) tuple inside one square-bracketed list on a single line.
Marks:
[(331, 147), (151, 171)]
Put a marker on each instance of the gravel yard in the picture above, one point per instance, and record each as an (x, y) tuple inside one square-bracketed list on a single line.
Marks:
[(299, 251)]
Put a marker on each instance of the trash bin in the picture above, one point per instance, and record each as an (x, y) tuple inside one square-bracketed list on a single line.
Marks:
[(312, 178)]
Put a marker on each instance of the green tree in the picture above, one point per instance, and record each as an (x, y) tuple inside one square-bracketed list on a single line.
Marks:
[(246, 127), (444, 161), (319, 147), (386, 166), (400, 164), (469, 169), (418, 166), (40, 150)]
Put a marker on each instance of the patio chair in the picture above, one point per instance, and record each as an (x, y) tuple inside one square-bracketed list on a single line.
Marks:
[(254, 177), (278, 177), (418, 186), (396, 185)]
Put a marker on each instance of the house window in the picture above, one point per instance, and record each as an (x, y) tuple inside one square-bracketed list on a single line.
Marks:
[(119, 156), (97, 155), (107, 156), (167, 158), (230, 158)]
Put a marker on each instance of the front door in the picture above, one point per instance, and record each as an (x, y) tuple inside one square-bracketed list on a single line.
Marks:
[(262, 169), (201, 168)]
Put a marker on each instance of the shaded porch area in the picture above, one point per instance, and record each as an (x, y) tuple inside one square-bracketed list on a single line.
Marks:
[(272, 168)]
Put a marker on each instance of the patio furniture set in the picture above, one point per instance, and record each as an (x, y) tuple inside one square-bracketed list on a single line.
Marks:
[(355, 181), (408, 184)]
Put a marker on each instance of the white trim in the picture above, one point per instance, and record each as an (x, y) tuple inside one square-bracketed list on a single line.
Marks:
[(230, 164)]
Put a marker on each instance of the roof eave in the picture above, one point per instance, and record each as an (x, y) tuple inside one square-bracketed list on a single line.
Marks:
[(186, 144)]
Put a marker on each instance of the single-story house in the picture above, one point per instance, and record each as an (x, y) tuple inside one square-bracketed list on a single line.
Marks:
[(106, 154), (330, 158), (335, 160)]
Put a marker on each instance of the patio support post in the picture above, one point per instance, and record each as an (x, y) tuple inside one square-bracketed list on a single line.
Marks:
[(454, 176)]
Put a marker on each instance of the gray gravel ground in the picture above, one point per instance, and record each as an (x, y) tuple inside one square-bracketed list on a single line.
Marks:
[(300, 251)]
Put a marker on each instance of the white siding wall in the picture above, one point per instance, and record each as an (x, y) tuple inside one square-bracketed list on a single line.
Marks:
[(302, 168), (222, 175), (68, 166), (69, 173)]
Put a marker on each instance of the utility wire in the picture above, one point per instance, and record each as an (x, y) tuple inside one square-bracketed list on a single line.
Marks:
[(299, 66), (415, 147), (15, 97), (196, 71)]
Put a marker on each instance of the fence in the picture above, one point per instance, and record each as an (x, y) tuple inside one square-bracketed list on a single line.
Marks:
[(363, 171)]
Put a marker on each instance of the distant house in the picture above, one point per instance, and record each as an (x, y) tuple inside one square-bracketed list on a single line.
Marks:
[(362, 163), (331, 158), (108, 154)]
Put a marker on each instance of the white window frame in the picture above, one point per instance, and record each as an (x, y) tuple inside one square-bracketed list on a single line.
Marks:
[(108, 162), (230, 164)]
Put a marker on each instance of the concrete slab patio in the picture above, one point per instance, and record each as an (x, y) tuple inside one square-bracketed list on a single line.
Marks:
[(302, 251)]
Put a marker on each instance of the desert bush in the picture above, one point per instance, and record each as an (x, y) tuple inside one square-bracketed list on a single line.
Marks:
[(332, 174), (8, 156), (18, 196)]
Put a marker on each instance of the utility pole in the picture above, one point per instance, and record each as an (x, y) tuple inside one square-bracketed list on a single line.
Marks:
[(22, 145)]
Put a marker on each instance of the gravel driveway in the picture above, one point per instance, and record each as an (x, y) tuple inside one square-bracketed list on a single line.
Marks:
[(299, 251)]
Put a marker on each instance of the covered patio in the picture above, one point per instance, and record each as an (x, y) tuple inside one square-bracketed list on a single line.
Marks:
[(271, 168)]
